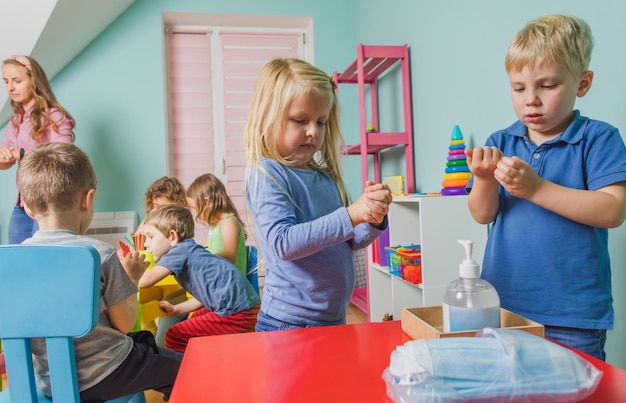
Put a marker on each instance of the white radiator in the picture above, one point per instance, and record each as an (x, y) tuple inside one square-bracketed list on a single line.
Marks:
[(112, 226)]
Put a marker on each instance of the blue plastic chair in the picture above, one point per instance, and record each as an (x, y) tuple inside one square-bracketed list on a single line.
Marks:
[(252, 267), (50, 292)]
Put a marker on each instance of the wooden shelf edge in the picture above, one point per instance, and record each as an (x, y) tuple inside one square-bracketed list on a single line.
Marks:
[(377, 141)]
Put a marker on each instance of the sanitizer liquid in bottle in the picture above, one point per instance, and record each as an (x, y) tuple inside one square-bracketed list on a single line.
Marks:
[(469, 302)]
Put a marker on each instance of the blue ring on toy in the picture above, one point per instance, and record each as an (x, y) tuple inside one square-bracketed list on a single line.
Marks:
[(458, 168), (456, 147)]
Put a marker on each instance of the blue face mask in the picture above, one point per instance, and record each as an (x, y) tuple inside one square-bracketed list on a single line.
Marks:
[(498, 363)]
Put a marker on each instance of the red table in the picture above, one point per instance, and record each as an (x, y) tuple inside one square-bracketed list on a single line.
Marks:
[(327, 364)]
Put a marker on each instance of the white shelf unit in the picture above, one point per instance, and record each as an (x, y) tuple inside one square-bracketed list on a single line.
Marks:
[(436, 223)]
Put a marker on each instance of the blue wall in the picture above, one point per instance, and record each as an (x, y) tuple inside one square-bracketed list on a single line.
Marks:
[(458, 77), (115, 88)]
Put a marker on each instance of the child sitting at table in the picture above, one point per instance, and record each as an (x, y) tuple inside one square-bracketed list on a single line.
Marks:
[(207, 196), (225, 302), (165, 190), (58, 186)]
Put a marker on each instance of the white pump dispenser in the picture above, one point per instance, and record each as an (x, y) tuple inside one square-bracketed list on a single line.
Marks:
[(469, 302)]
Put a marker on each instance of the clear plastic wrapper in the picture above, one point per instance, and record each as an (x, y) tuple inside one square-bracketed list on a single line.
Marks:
[(498, 365)]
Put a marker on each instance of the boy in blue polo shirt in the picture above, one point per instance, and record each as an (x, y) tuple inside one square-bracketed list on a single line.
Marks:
[(551, 184)]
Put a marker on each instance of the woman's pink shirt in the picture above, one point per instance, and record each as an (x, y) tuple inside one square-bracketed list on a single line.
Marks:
[(20, 137)]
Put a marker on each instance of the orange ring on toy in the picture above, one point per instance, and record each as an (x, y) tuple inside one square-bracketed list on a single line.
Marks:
[(455, 183)]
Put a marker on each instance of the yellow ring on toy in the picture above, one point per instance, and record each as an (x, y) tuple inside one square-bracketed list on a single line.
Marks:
[(455, 183), (455, 142), (457, 175)]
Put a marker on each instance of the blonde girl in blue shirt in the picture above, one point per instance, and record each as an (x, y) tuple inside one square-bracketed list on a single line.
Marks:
[(306, 227)]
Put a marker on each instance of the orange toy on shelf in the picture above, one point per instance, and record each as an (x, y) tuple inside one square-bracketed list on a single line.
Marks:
[(457, 174)]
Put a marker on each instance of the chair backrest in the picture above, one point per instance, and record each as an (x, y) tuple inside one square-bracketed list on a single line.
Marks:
[(50, 292), (252, 267)]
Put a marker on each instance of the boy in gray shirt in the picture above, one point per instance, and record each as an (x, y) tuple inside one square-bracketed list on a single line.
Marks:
[(58, 186)]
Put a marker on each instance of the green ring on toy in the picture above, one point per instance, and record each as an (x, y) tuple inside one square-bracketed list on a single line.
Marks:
[(456, 163)]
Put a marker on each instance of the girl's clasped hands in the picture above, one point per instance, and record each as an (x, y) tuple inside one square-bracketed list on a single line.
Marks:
[(372, 206)]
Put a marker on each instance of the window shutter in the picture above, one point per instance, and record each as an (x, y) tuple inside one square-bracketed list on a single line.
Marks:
[(208, 116), (243, 56), (191, 102)]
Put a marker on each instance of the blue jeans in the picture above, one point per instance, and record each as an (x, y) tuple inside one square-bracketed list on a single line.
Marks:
[(21, 226), (590, 341), (266, 323)]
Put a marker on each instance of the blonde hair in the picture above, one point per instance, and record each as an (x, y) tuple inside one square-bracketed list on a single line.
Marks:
[(560, 38), (40, 118), (209, 195), (54, 176), (279, 82), (168, 187), (171, 217)]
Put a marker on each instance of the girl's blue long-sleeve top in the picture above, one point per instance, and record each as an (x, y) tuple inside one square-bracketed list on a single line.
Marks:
[(307, 240)]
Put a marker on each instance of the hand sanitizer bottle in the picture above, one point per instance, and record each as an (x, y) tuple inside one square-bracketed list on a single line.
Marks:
[(469, 302)]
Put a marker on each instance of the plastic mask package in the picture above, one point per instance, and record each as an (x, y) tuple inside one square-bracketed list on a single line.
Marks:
[(498, 365)]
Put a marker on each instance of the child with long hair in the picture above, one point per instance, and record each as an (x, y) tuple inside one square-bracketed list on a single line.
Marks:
[(37, 119), (227, 237), (306, 226)]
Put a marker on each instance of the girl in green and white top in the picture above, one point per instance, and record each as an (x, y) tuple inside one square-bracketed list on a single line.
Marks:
[(227, 237)]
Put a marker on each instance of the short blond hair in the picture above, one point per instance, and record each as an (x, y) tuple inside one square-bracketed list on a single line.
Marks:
[(279, 82), (54, 176), (171, 217), (560, 38)]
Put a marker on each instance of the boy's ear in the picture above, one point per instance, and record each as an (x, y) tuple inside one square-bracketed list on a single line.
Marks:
[(29, 212), (174, 237), (585, 83), (88, 200)]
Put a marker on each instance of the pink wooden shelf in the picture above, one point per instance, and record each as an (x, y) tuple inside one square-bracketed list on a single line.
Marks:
[(369, 66), (359, 299), (371, 62), (379, 141)]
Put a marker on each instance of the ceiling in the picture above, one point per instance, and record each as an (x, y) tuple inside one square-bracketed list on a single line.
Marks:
[(53, 32)]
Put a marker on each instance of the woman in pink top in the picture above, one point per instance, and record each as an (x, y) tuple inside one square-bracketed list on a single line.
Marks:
[(37, 118)]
